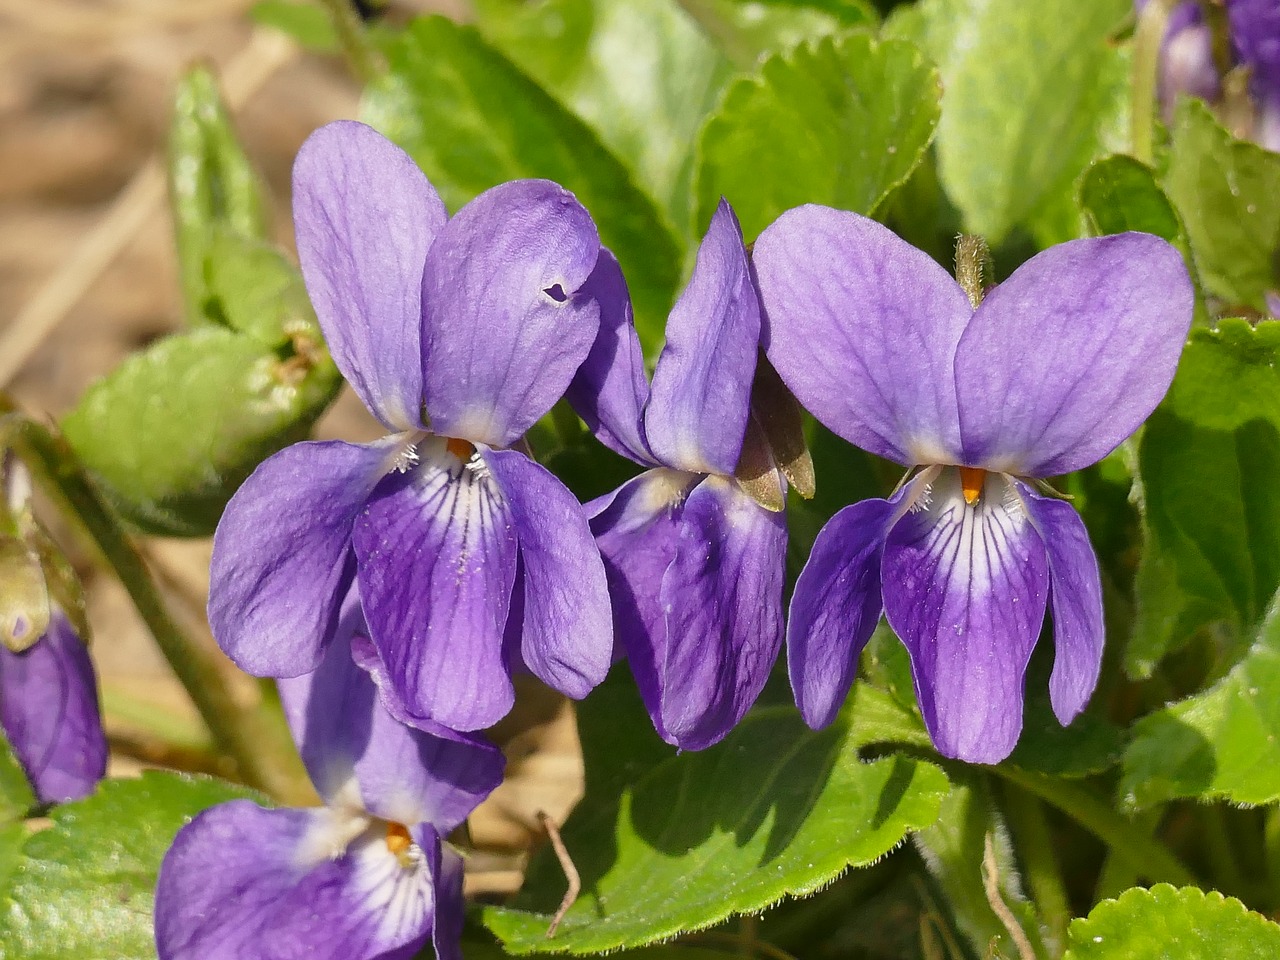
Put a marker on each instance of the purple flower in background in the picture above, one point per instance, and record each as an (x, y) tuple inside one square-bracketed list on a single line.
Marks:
[(366, 876), (1186, 57), (471, 560), (49, 712), (1188, 65), (695, 564), (1058, 365), (1255, 37), (48, 690)]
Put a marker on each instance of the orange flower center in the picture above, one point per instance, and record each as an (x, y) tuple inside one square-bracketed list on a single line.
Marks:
[(971, 480), (460, 449), (399, 842)]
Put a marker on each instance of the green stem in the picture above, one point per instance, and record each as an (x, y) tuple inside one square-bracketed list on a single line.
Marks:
[(1146, 855), (1034, 843), (361, 55), (263, 758), (1147, 40)]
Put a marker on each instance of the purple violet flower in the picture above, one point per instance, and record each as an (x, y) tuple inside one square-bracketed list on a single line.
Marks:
[(471, 559), (366, 876), (1255, 38), (49, 712), (1058, 365), (1188, 66), (695, 564)]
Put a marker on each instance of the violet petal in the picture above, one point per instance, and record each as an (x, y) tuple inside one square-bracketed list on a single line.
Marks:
[(49, 712), (282, 554), (365, 217), (446, 874), (567, 638), (436, 559), (965, 588), (835, 608), (638, 531), (1067, 357), (1075, 592), (504, 324), (863, 329), (360, 756), (701, 394), (722, 596), (610, 389)]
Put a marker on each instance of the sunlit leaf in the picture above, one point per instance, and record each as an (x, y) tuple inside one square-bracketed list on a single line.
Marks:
[(1166, 922), (1031, 94), (775, 809), (839, 122), (1228, 193), (174, 430)]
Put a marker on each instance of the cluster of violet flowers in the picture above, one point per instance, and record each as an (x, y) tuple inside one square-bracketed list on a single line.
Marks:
[(396, 587)]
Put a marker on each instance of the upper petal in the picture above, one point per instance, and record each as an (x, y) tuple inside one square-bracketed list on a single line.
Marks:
[(436, 560), (863, 328), (504, 323), (365, 217), (835, 608), (49, 713), (281, 554), (241, 881), (567, 636), (1068, 356), (360, 756), (722, 601), (610, 389), (1075, 591), (701, 393), (965, 588)]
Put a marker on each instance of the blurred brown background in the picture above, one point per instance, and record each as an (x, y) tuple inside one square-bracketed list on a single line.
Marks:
[(88, 273)]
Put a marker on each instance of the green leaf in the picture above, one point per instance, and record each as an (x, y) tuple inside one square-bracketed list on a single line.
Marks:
[(306, 22), (840, 122), (640, 72), (1228, 193), (1120, 193), (775, 809), (1031, 91), (174, 430), (83, 888), (16, 795), (1166, 922), (746, 31), (212, 185), (472, 119), (1208, 458), (255, 290), (1224, 742)]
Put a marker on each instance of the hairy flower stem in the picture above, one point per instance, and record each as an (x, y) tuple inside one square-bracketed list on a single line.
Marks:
[(1147, 41), (1025, 816), (1148, 857), (359, 52), (262, 754)]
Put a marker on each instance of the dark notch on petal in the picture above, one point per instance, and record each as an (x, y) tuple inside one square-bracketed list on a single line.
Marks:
[(556, 293), (971, 256)]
